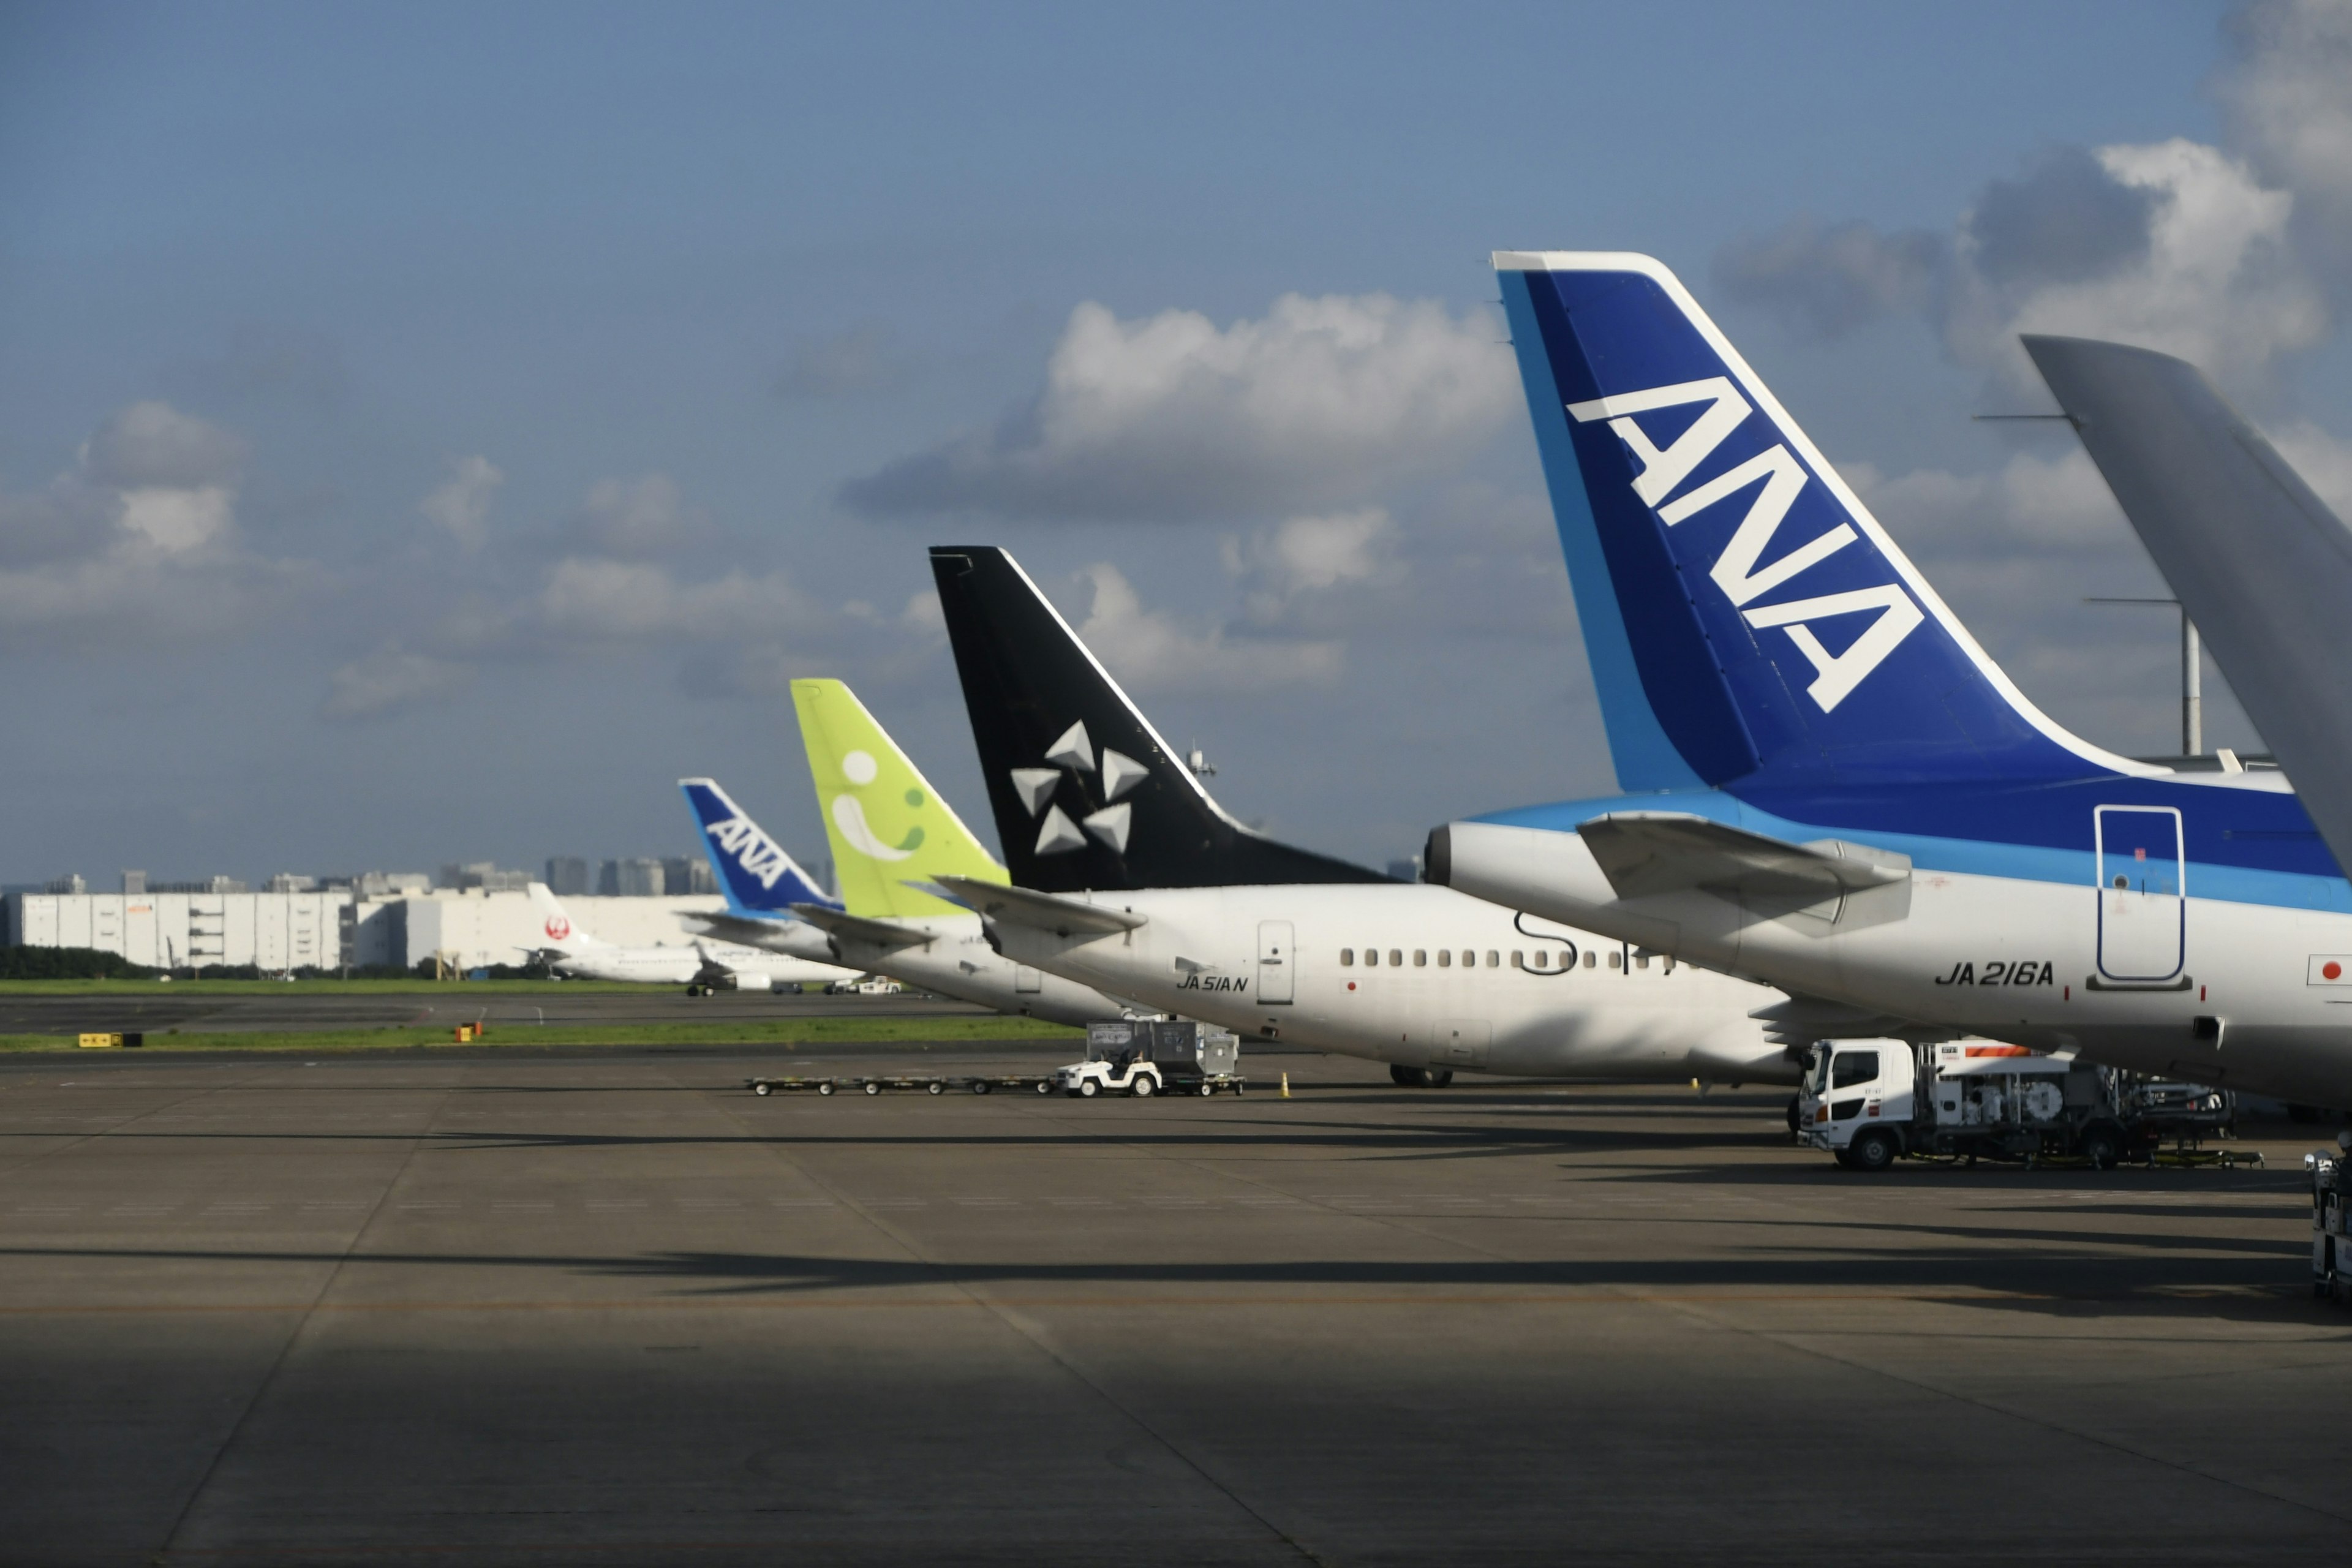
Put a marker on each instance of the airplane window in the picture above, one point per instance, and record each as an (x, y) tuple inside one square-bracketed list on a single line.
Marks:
[(1396, 958), (1590, 959), (1372, 957), (1420, 957), (1568, 961), (1469, 958), (1616, 960), (1494, 959), (1445, 958), (1518, 961), (1641, 960), (1540, 959), (1347, 958)]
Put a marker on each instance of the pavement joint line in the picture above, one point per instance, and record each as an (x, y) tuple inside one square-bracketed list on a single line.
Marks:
[(1036, 1340), (114, 1124), (268, 1379)]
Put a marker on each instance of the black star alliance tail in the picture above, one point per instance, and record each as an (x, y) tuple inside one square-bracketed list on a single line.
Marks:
[(1087, 796)]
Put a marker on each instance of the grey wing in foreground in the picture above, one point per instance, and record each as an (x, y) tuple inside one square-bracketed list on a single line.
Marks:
[(2263, 567)]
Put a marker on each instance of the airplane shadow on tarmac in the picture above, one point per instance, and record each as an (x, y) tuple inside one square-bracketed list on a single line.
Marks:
[(2241, 1281)]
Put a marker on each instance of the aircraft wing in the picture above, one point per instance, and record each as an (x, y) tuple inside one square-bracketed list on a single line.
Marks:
[(1042, 911), (2263, 566), (1645, 852), (887, 935)]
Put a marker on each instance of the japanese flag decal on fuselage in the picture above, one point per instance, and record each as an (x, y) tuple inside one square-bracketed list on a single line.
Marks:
[(1738, 570)]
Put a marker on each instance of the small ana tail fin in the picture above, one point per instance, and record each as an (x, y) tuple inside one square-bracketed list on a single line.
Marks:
[(888, 828), (555, 925), (758, 877), (1087, 794), (1743, 612)]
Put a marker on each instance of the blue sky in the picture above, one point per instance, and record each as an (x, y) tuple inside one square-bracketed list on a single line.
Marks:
[(426, 432)]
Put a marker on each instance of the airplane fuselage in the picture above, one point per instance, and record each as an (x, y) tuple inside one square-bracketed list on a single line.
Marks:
[(750, 968), (2122, 943), (1417, 975)]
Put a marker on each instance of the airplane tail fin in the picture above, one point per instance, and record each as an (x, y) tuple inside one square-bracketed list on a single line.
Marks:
[(555, 925), (886, 824), (1087, 794), (760, 878), (1744, 613)]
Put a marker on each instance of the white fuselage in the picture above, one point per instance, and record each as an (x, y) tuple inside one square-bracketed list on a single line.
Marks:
[(749, 967), (2253, 1007), (1456, 983), (953, 957)]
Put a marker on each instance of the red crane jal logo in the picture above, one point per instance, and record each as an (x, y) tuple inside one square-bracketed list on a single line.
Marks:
[(558, 928)]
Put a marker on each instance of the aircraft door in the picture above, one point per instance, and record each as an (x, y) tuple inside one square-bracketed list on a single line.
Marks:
[(1276, 968), (1027, 982), (2142, 912)]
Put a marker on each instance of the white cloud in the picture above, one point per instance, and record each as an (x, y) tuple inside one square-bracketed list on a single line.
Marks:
[(640, 518), (617, 599), (2289, 95), (1323, 401), (2217, 284), (2033, 505), (1152, 650), (139, 538), (154, 445), (389, 680), (461, 506)]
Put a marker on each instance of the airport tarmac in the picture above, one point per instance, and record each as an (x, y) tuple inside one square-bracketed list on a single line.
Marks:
[(617, 1309)]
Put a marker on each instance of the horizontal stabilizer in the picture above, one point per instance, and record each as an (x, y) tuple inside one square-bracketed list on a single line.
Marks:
[(1647, 852), (888, 935), (1040, 911)]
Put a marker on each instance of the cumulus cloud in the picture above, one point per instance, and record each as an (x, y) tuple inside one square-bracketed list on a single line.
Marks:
[(2289, 97), (1323, 401), (140, 536), (637, 519), (2173, 246), (389, 680), (1152, 650), (461, 505), (601, 600)]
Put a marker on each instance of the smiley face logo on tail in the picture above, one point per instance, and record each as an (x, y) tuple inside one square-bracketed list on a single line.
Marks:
[(849, 814)]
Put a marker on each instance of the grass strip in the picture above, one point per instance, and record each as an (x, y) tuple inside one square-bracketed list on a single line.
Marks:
[(526, 1037)]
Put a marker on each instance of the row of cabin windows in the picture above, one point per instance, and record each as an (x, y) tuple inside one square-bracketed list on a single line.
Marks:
[(1542, 958)]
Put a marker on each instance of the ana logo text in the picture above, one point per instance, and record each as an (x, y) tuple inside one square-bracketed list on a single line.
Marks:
[(1740, 570), (751, 849)]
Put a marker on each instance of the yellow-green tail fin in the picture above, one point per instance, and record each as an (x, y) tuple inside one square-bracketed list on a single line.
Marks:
[(886, 824)]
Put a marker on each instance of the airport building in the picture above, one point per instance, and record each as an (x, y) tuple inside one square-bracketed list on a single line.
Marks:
[(327, 928), (173, 930)]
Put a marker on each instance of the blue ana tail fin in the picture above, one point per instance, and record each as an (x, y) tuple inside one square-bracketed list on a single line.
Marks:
[(760, 879), (1744, 613)]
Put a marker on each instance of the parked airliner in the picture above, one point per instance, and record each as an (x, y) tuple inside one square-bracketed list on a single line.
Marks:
[(1827, 784), (890, 834), (1127, 876), (699, 966)]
